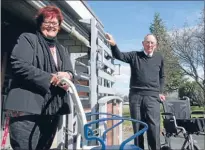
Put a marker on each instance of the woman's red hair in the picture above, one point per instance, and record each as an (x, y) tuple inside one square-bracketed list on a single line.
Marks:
[(48, 11)]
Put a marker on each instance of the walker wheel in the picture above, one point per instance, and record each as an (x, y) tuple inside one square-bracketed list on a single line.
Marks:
[(165, 148)]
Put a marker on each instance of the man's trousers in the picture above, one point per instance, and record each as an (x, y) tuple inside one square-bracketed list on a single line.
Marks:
[(146, 109)]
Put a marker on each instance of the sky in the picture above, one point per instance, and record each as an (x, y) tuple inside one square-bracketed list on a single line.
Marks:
[(129, 22)]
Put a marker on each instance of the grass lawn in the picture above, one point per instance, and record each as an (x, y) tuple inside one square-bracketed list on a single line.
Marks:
[(126, 113)]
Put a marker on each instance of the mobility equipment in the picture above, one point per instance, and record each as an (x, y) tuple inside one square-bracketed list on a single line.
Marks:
[(85, 132), (177, 121)]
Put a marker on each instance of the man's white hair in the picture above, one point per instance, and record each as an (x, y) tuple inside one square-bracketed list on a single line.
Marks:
[(149, 35)]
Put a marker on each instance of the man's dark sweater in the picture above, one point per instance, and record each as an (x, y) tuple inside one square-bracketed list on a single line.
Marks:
[(147, 73)]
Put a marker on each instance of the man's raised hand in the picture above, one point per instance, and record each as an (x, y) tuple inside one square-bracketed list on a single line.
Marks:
[(110, 39)]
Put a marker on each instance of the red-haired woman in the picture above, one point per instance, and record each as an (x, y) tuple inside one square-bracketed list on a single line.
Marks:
[(38, 62)]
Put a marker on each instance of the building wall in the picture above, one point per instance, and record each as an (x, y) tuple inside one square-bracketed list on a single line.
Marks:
[(75, 46)]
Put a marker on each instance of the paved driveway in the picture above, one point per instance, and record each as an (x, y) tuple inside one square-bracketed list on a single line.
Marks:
[(176, 142)]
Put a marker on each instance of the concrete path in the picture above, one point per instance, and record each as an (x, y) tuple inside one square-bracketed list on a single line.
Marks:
[(176, 142)]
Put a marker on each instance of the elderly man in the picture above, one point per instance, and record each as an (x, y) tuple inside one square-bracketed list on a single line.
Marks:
[(146, 87)]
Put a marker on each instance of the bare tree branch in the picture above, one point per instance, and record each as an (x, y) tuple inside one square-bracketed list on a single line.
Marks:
[(188, 46)]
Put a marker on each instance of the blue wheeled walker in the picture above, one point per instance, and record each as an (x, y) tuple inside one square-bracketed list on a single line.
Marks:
[(85, 134)]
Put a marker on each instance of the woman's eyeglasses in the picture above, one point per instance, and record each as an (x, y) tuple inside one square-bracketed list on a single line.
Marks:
[(51, 23)]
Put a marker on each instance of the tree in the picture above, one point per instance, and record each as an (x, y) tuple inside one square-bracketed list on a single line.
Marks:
[(174, 76), (125, 98), (120, 95), (193, 91), (200, 36), (188, 45)]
